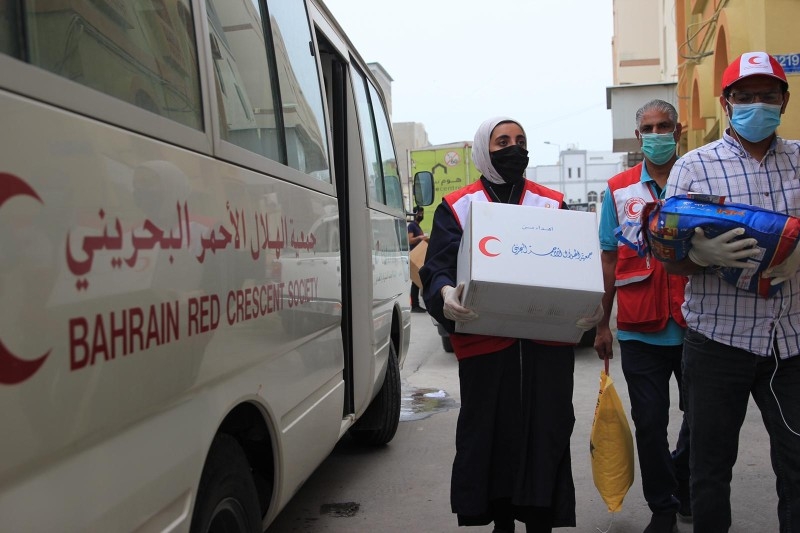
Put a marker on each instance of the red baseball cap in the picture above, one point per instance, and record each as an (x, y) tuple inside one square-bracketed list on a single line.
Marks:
[(752, 64)]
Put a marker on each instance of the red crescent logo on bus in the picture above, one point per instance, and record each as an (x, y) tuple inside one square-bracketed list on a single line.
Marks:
[(482, 246), (14, 186), (754, 60), (14, 370), (633, 207)]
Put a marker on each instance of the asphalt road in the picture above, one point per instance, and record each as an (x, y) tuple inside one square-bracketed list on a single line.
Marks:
[(404, 486)]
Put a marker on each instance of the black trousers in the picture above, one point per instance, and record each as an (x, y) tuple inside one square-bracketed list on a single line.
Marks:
[(512, 437), (414, 295), (648, 369)]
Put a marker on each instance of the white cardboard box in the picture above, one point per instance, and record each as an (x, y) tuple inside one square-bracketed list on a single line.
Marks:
[(529, 272)]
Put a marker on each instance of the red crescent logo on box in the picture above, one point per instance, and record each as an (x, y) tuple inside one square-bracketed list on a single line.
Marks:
[(13, 369), (633, 207), (482, 246)]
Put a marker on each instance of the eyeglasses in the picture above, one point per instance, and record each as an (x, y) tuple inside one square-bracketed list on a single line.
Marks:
[(771, 97)]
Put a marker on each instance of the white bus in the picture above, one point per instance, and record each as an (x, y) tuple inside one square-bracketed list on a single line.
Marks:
[(203, 261)]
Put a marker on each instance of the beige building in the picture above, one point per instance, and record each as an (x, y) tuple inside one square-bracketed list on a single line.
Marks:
[(643, 46), (645, 66), (715, 32), (408, 136)]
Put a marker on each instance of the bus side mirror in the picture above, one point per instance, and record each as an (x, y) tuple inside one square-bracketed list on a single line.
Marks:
[(423, 188)]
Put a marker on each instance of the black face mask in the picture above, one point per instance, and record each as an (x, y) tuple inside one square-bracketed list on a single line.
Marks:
[(510, 162)]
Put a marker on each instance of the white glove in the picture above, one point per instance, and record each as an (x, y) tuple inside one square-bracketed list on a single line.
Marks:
[(784, 271), (723, 250), (588, 322), (452, 304)]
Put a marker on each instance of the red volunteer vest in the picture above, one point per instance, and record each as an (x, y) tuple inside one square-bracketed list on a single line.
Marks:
[(468, 344), (646, 295)]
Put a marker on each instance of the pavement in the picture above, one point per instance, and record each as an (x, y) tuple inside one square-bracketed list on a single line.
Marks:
[(404, 486)]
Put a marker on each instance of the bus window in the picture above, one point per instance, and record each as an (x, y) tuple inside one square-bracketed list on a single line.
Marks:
[(394, 191), (374, 172), (389, 161), (301, 98), (9, 32), (140, 51), (383, 179), (242, 73)]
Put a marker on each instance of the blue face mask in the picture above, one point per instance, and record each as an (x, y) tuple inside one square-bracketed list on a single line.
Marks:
[(755, 122), (658, 148)]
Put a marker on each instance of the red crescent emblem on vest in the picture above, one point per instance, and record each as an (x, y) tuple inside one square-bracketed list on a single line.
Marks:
[(482, 246), (633, 207)]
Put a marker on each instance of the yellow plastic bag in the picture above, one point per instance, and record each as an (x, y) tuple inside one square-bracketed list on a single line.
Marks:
[(611, 446)]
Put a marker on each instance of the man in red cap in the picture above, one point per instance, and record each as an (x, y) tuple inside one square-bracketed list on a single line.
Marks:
[(737, 343)]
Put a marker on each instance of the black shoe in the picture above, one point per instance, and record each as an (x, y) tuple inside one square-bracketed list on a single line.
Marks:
[(417, 309), (661, 523)]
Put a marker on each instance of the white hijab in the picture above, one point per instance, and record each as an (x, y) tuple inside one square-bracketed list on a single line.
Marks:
[(480, 148)]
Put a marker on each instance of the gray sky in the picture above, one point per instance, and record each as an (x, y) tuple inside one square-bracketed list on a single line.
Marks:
[(456, 63)]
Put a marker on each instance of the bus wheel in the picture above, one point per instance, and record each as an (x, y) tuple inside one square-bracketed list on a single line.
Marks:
[(227, 500), (379, 422)]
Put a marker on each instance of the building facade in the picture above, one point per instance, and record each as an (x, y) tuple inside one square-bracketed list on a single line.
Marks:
[(408, 136), (715, 33), (645, 55), (581, 175)]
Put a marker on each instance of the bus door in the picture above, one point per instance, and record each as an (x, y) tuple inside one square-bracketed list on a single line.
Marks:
[(334, 70)]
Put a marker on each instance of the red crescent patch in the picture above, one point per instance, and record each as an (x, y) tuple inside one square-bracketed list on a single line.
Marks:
[(754, 60), (482, 246), (633, 208)]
